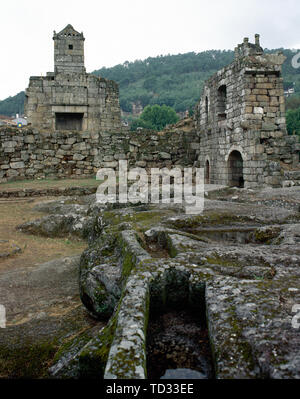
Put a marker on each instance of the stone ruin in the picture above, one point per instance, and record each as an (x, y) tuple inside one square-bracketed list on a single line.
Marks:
[(69, 98), (238, 134), (237, 263), (241, 123)]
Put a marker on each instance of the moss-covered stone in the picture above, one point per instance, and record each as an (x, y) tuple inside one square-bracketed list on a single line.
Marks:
[(267, 235), (29, 360)]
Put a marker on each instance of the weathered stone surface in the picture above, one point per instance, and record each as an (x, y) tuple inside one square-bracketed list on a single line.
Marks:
[(69, 98), (56, 192), (57, 226), (244, 258), (237, 116), (43, 311), (8, 248), (44, 157), (17, 165), (164, 155)]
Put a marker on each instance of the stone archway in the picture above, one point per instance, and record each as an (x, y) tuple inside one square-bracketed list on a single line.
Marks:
[(235, 169), (207, 172)]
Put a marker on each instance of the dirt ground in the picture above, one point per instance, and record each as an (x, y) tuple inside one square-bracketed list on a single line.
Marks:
[(34, 249), (48, 183), (39, 289)]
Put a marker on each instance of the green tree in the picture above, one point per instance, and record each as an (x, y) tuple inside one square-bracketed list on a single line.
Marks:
[(292, 102), (293, 121), (13, 105), (156, 117), (173, 80), (136, 123)]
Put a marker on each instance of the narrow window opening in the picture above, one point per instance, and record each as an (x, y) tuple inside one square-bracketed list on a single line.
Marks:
[(207, 172), (222, 98), (70, 46), (206, 109)]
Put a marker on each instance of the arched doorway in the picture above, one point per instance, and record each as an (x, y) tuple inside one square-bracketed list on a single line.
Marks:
[(235, 170), (207, 173)]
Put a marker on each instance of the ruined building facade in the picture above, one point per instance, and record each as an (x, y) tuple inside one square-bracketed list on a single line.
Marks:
[(241, 124), (238, 134), (69, 98)]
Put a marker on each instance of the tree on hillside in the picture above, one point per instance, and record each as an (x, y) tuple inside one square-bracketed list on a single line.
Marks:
[(13, 105), (292, 102), (293, 121), (155, 117), (173, 80)]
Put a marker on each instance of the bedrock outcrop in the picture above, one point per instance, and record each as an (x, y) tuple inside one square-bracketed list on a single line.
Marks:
[(237, 262)]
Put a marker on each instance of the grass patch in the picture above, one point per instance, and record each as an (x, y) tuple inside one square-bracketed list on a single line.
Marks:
[(213, 219), (34, 248), (221, 261), (48, 183), (29, 361)]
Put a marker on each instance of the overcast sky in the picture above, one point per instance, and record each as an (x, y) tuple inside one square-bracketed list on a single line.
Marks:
[(125, 30)]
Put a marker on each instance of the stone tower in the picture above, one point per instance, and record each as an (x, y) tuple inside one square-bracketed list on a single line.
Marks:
[(241, 123), (69, 98), (68, 51)]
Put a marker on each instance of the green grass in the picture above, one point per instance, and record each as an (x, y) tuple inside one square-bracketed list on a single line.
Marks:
[(49, 183)]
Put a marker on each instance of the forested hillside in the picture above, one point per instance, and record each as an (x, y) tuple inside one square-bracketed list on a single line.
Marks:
[(173, 80), (13, 105), (177, 80)]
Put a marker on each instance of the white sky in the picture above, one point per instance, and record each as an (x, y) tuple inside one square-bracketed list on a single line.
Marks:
[(125, 30)]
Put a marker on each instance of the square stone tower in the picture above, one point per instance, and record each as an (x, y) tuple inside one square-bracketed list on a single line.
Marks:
[(69, 98), (68, 51), (240, 121)]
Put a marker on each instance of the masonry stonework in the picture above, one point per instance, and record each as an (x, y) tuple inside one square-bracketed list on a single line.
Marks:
[(238, 134), (69, 98), (241, 124), (30, 153)]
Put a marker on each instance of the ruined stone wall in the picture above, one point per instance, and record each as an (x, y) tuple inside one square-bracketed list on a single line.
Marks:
[(29, 153), (69, 98), (69, 51), (241, 123), (96, 98)]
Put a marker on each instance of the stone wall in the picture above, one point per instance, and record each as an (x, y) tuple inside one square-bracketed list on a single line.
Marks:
[(29, 153), (241, 123), (69, 98), (96, 99)]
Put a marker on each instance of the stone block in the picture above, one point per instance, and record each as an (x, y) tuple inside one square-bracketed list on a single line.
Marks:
[(110, 164), (269, 126), (258, 110), (17, 165), (164, 155), (79, 146), (78, 157), (29, 139), (265, 99), (9, 144)]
